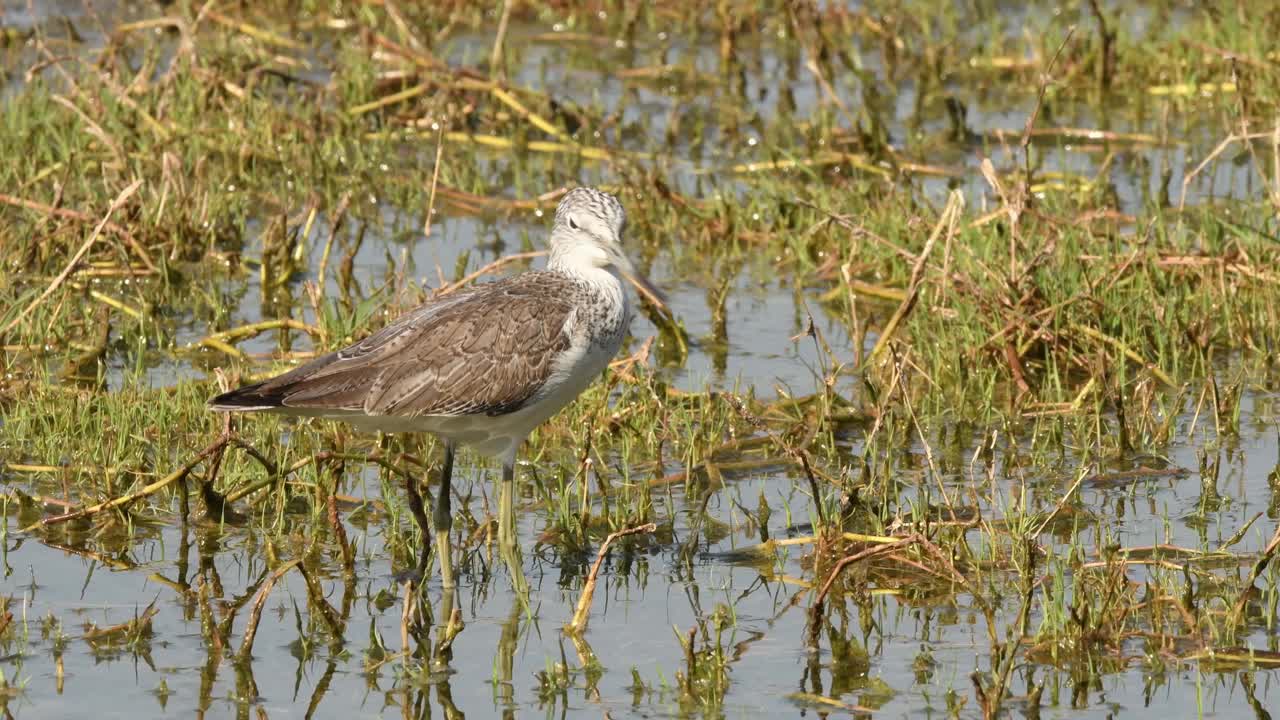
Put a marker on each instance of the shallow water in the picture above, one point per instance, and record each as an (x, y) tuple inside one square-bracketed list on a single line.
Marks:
[(898, 655), (641, 604)]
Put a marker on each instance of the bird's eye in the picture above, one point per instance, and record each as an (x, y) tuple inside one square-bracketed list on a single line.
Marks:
[(573, 224)]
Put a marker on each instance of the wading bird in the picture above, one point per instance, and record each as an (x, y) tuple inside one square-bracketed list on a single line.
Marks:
[(481, 367)]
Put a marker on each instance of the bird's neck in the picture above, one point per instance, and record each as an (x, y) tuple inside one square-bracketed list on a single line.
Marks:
[(575, 258), (585, 269), (583, 265)]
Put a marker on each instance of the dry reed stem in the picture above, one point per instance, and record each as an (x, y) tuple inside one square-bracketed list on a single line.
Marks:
[(534, 119), (495, 58), (583, 610), (253, 31), (452, 628), (435, 182), (946, 223), (824, 701), (541, 146), (139, 624), (406, 32), (219, 340), (1126, 351), (1221, 148), (335, 225), (255, 613), (392, 99)]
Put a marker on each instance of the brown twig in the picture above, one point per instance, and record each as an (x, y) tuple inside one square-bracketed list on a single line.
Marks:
[(335, 224), (326, 611), (340, 534), (253, 330), (583, 610), (255, 614), (1025, 143), (408, 607), (416, 507), (845, 562)]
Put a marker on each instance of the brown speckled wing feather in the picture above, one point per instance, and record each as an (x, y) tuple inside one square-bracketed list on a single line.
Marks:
[(486, 350)]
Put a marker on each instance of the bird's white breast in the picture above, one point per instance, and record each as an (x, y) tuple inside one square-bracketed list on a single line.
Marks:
[(595, 328)]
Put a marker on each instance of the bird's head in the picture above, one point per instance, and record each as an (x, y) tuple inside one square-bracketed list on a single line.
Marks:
[(588, 232)]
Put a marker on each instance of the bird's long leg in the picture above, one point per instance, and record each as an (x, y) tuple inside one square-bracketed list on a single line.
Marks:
[(442, 519), (508, 548), (506, 506)]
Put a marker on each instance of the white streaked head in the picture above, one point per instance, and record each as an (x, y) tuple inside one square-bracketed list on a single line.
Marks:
[(588, 225), (587, 232)]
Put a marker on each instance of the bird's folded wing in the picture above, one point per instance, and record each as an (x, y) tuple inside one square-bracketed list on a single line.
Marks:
[(485, 351)]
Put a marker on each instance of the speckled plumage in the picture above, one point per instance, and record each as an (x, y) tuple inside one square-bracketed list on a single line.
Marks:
[(483, 366)]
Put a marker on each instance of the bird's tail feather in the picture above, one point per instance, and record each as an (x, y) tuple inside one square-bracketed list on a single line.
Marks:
[(246, 399)]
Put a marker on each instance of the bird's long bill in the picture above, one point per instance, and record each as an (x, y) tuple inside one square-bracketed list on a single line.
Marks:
[(643, 285)]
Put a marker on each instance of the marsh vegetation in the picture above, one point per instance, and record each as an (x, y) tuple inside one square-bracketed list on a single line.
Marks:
[(968, 407)]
